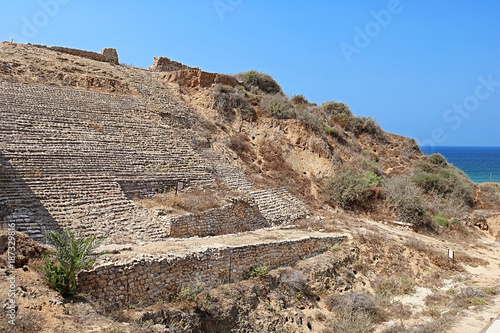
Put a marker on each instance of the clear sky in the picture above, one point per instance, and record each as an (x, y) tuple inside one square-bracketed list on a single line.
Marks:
[(425, 69)]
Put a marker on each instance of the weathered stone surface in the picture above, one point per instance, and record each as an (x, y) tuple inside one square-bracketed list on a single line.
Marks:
[(110, 53), (147, 278), (106, 55), (198, 78), (164, 64)]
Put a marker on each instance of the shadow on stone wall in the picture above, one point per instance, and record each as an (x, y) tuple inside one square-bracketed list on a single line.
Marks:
[(20, 206)]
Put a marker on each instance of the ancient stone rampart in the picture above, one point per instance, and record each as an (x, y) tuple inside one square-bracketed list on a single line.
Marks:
[(147, 280), (164, 64), (105, 55)]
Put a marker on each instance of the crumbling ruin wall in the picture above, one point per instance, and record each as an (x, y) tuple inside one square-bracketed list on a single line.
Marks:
[(105, 55), (147, 280), (239, 216), (164, 64)]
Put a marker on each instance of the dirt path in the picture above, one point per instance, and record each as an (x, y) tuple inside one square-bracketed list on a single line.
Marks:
[(472, 320)]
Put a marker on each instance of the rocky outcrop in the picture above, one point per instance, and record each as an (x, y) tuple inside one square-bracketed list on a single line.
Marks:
[(164, 64), (198, 78)]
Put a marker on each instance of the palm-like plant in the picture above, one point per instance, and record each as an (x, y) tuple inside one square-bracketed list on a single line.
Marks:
[(72, 254)]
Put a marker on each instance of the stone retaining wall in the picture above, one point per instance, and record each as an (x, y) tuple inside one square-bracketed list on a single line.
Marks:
[(239, 216), (147, 280)]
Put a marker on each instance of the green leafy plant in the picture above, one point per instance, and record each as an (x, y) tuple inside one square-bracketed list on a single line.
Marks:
[(72, 254), (373, 179), (441, 219), (256, 272)]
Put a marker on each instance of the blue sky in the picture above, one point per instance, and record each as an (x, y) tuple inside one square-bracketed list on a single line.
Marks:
[(424, 69)]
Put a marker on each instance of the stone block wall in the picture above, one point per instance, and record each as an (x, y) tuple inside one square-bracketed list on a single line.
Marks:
[(239, 216), (147, 280), (105, 55)]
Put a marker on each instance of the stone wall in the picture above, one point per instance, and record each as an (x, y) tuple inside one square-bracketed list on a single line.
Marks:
[(239, 216), (147, 280), (105, 55), (164, 64)]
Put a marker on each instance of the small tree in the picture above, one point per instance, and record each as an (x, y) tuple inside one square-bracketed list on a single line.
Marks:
[(72, 254)]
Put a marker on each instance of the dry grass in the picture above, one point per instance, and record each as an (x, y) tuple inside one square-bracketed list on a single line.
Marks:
[(440, 257), (192, 201)]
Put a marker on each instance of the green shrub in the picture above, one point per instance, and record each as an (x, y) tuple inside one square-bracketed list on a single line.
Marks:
[(72, 255), (279, 106), (358, 125), (263, 82), (347, 189), (256, 272), (441, 219), (405, 198), (435, 176), (373, 179), (333, 108), (299, 100)]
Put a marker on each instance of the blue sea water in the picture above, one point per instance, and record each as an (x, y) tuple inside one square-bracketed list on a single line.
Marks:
[(477, 162)]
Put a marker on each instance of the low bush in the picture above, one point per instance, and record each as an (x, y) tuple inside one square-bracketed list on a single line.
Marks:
[(333, 108), (299, 100), (435, 176), (358, 125), (441, 219), (394, 286), (353, 312), (278, 106), (373, 179), (293, 279), (352, 302), (227, 98), (310, 119), (348, 189), (262, 81), (405, 198)]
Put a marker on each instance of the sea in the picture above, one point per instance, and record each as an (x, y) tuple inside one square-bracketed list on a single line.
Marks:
[(481, 164)]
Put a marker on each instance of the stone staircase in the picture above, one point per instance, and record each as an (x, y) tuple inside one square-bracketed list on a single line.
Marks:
[(278, 205), (69, 157), (229, 174)]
